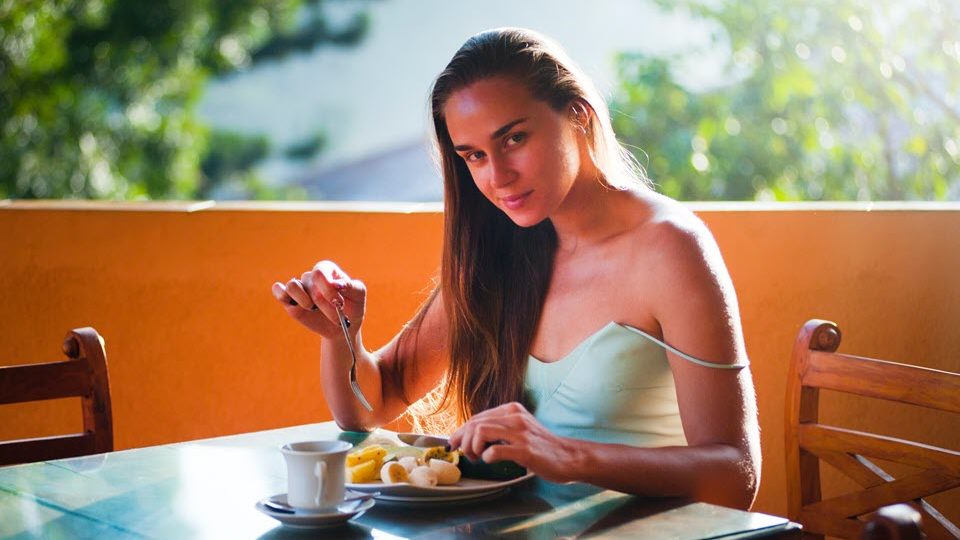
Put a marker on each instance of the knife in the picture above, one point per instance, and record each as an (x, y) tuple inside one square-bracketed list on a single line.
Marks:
[(423, 441)]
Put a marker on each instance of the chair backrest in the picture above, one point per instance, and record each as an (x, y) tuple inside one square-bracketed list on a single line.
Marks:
[(816, 365), (83, 375)]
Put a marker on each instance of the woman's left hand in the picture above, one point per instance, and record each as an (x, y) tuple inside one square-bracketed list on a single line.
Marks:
[(510, 432)]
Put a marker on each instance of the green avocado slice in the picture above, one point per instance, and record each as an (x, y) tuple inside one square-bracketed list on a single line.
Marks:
[(498, 470)]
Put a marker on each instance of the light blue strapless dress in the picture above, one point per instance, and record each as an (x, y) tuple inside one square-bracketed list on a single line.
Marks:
[(616, 386)]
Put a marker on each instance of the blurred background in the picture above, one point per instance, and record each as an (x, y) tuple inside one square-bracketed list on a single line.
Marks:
[(326, 99)]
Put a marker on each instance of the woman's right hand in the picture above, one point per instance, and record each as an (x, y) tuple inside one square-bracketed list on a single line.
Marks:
[(311, 299)]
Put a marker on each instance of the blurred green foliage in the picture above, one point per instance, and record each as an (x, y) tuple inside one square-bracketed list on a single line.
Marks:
[(826, 99), (306, 148), (229, 154), (829, 100), (97, 97)]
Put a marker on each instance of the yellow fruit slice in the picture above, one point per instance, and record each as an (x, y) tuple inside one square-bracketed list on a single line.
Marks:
[(364, 472), (393, 472), (369, 453), (439, 452)]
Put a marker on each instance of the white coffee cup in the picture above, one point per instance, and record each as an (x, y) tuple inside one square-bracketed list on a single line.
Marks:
[(316, 472)]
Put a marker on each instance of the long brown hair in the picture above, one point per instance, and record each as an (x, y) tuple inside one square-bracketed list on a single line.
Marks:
[(494, 275)]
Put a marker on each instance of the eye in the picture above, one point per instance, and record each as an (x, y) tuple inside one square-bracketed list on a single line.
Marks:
[(474, 156), (516, 138)]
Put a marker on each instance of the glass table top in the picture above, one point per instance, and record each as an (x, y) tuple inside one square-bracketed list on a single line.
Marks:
[(208, 488)]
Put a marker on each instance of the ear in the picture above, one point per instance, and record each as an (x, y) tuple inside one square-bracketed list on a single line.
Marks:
[(580, 114)]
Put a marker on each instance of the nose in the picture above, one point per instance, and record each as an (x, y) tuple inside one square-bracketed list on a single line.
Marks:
[(501, 172)]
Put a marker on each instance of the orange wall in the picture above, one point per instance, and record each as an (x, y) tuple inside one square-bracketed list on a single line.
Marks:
[(197, 346)]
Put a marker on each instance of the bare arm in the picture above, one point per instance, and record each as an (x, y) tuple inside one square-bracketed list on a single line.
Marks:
[(698, 314), (718, 407), (391, 378), (696, 308)]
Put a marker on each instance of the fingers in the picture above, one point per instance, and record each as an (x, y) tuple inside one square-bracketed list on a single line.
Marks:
[(314, 288), (477, 435), (325, 305), (491, 441), (280, 293), (300, 297), (331, 282), (311, 318), (322, 289), (330, 279), (506, 452), (320, 285), (504, 425), (353, 290), (331, 271), (345, 289), (486, 435)]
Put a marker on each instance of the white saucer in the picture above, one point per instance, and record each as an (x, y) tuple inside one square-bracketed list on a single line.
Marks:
[(313, 519)]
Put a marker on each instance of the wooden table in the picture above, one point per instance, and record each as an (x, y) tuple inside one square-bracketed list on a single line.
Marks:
[(207, 489)]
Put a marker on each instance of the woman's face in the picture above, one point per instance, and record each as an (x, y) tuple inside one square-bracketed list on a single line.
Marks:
[(523, 155)]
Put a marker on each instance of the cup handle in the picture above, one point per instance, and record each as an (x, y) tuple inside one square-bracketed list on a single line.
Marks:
[(320, 470)]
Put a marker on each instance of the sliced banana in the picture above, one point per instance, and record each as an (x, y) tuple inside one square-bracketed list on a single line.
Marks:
[(409, 462), (423, 476), (370, 453), (393, 472), (447, 473), (364, 472)]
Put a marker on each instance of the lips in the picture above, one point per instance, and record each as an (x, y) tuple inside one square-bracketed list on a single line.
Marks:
[(515, 201)]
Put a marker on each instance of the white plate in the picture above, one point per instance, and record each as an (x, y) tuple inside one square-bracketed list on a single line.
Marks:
[(443, 499), (309, 519), (466, 488)]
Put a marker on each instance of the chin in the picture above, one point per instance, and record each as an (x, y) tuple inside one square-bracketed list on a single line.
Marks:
[(525, 219)]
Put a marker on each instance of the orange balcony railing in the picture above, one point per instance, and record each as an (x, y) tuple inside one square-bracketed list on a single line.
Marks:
[(197, 346)]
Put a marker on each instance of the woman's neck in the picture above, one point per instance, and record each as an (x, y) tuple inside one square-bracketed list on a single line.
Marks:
[(592, 213)]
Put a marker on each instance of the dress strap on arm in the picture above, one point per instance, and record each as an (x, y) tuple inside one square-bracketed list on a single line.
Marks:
[(685, 356)]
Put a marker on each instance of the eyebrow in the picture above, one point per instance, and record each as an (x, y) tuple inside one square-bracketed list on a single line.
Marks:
[(500, 132)]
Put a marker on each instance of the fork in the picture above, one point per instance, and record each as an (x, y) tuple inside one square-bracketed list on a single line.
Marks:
[(353, 366)]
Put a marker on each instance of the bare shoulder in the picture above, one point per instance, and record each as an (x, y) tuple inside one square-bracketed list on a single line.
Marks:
[(677, 238), (694, 301)]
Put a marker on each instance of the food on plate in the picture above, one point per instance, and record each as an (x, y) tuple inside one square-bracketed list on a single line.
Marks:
[(440, 452), (424, 476), (408, 462), (396, 465), (363, 472), (447, 473), (498, 470), (367, 453), (364, 464), (393, 472), (426, 467)]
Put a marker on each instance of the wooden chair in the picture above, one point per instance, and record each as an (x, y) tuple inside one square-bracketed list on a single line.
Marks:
[(83, 375), (816, 364)]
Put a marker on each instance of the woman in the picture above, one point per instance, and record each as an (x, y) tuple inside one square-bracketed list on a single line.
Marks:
[(583, 322)]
